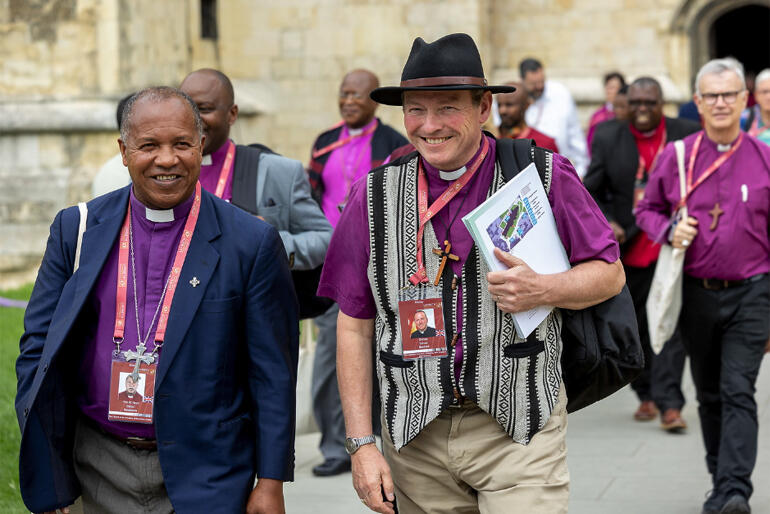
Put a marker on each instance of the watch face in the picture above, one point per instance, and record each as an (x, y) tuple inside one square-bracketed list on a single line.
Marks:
[(350, 445)]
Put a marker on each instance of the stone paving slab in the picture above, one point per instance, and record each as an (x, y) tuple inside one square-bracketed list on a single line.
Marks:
[(617, 465)]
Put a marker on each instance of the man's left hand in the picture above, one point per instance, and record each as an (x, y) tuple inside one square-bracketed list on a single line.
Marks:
[(518, 288), (266, 498)]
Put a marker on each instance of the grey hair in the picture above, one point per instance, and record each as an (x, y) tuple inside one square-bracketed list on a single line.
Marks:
[(762, 76), (156, 95), (718, 66)]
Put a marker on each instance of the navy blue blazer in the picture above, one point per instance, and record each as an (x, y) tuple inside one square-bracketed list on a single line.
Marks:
[(225, 389)]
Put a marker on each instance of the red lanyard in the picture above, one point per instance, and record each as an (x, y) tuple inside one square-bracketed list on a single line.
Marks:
[(710, 170), (427, 213), (227, 169), (755, 131), (643, 169), (342, 142), (176, 269)]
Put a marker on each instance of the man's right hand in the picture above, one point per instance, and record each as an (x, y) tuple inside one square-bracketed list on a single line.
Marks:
[(618, 232), (684, 232), (63, 510), (371, 475)]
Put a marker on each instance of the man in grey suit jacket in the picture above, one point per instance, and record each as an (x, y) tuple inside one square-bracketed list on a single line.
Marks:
[(234, 172)]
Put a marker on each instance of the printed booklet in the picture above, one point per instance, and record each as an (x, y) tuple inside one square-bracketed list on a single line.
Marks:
[(518, 219)]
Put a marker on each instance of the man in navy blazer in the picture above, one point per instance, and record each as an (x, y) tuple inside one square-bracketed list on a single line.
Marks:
[(224, 395)]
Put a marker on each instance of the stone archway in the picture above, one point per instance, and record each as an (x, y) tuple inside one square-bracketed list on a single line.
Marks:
[(710, 26)]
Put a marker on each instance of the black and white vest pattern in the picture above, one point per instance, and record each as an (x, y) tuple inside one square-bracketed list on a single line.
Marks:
[(516, 381)]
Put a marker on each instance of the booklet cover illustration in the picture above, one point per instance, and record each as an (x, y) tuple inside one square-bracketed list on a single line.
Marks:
[(512, 225)]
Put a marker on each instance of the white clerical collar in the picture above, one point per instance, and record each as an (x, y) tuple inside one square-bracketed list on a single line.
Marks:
[(723, 148), (355, 132), (206, 161), (452, 175), (162, 216)]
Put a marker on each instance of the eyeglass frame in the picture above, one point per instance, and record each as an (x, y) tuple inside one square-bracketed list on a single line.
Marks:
[(711, 99)]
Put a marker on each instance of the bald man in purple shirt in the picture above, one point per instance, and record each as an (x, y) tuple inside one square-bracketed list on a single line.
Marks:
[(484, 425), (726, 288)]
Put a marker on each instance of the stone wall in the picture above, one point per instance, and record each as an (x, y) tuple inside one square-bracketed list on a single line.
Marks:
[(65, 63)]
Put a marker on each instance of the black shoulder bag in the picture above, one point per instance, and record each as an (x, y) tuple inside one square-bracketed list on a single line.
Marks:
[(602, 352), (245, 196)]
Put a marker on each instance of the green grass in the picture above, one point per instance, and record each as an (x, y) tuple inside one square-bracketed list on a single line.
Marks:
[(11, 328)]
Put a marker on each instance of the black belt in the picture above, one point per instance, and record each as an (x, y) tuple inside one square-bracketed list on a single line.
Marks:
[(717, 284), (137, 443)]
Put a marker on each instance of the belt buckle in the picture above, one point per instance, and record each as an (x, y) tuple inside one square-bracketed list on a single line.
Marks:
[(714, 285)]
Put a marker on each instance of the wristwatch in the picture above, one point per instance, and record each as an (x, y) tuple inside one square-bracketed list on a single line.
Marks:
[(352, 444)]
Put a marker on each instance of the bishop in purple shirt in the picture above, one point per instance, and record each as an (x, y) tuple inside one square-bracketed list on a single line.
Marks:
[(726, 289), (445, 100), (219, 379)]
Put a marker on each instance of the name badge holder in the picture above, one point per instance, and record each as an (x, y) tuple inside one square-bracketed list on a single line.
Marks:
[(421, 317), (132, 384)]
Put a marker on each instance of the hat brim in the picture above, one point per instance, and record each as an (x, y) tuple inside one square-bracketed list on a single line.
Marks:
[(391, 95)]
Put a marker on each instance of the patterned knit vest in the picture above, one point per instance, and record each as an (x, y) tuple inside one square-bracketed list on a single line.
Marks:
[(516, 381)]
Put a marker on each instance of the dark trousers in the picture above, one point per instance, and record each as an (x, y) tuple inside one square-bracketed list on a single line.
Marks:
[(725, 334), (661, 380)]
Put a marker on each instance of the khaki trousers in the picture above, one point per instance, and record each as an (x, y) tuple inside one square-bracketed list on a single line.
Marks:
[(464, 462)]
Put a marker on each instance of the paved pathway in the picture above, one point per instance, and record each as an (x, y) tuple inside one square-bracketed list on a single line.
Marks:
[(617, 465)]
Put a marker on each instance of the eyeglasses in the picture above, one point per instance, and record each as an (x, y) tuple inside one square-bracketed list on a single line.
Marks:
[(728, 96), (355, 96), (647, 103)]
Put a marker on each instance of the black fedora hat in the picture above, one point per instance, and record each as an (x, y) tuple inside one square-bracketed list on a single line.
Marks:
[(450, 63)]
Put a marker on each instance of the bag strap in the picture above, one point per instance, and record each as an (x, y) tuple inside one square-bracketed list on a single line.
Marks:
[(247, 181), (517, 154), (83, 208), (679, 147)]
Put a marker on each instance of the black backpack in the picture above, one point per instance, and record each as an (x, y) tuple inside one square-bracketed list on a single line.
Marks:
[(601, 349), (245, 196)]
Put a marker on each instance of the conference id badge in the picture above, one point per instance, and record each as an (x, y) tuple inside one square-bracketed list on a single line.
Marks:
[(639, 187), (131, 392), (421, 314)]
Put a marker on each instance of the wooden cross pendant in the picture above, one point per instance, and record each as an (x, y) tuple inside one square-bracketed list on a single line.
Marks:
[(444, 254), (716, 212)]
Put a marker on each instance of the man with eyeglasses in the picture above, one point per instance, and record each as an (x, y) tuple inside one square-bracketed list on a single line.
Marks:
[(623, 153), (726, 288), (341, 155)]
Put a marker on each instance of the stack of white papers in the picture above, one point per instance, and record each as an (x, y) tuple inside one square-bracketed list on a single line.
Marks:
[(518, 219)]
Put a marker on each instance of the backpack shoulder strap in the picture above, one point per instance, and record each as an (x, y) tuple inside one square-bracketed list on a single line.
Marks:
[(245, 172), (516, 154), (83, 208)]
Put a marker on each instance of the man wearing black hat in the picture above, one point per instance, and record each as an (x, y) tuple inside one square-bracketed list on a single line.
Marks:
[(479, 424)]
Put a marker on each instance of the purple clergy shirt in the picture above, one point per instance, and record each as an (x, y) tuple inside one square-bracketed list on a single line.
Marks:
[(155, 245), (738, 248), (345, 166), (209, 177), (583, 229)]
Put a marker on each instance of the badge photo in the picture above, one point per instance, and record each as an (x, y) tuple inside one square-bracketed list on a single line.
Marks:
[(422, 328)]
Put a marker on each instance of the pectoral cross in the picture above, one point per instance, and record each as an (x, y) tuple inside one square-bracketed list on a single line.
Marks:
[(140, 357), (716, 212), (444, 254)]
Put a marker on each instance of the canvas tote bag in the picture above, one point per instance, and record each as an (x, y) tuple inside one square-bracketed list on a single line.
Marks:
[(665, 299)]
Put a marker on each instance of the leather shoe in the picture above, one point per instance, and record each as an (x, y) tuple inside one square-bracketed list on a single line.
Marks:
[(736, 504), (331, 467), (646, 411), (671, 421)]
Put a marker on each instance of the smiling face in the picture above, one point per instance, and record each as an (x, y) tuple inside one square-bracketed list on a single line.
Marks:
[(215, 103), (445, 126), (645, 106), (722, 115), (421, 321), (162, 152), (356, 108)]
